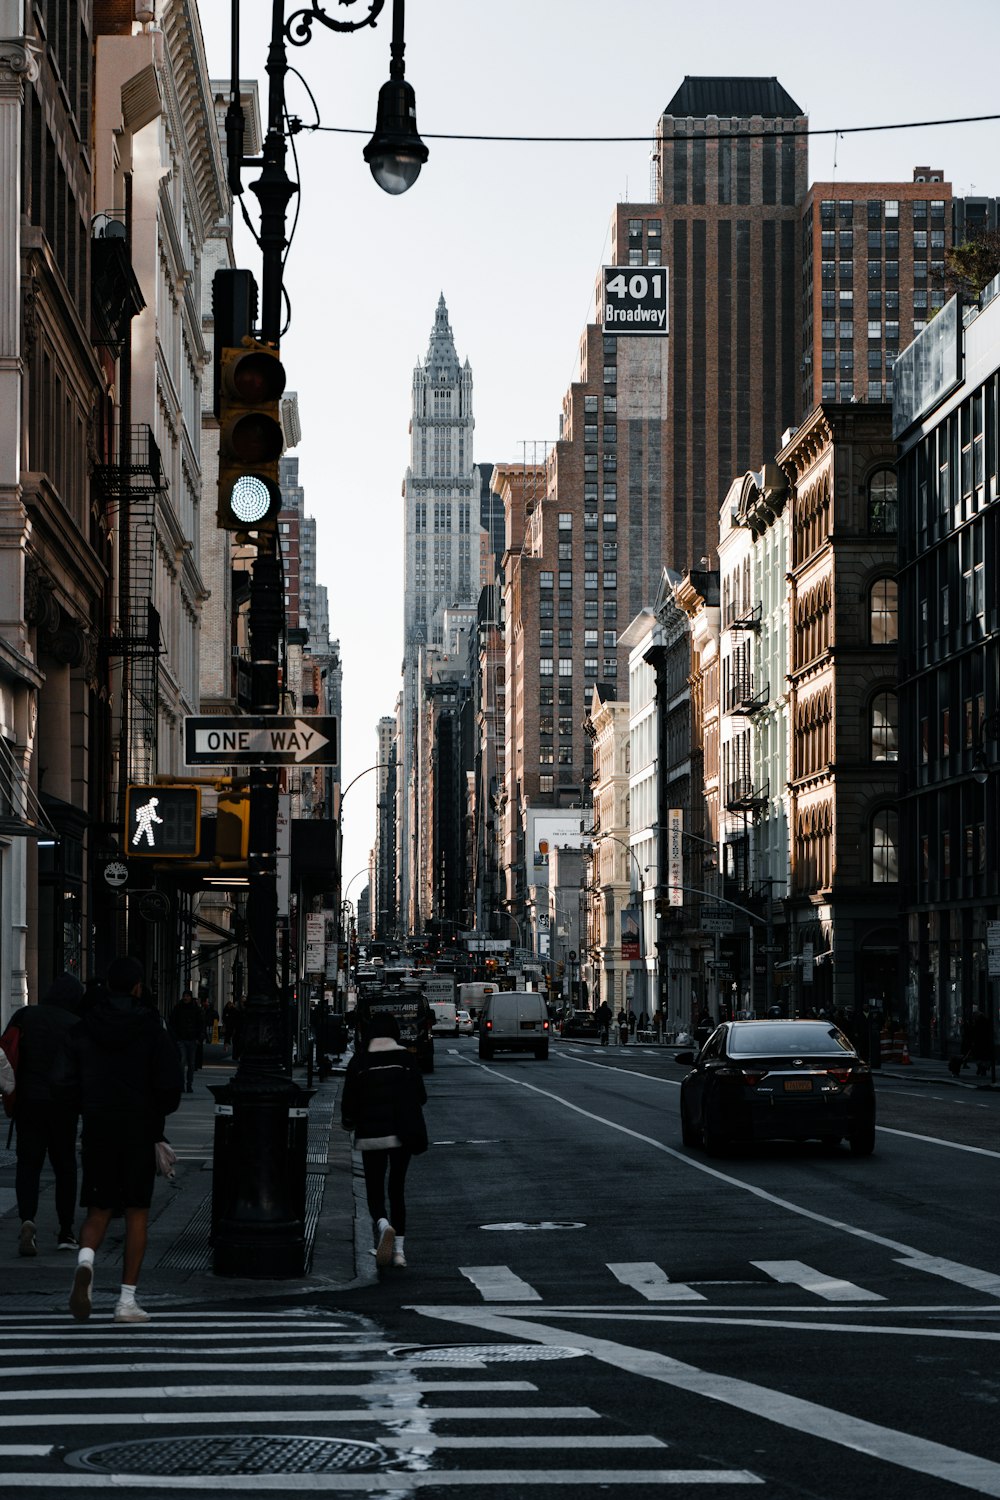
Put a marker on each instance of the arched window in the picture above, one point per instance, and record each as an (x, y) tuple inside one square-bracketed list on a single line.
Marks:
[(883, 612), (883, 725), (882, 503), (885, 841)]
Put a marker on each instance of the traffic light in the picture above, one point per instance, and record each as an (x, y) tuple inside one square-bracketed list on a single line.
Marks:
[(251, 383), (163, 822), (232, 826)]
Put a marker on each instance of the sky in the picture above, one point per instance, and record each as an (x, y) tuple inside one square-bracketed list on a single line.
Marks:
[(514, 234)]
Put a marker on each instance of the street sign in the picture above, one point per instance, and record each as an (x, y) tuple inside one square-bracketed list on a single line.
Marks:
[(154, 906), (635, 299), (275, 740), (715, 918)]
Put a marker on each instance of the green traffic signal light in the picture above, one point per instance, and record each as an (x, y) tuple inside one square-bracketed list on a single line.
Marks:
[(251, 440)]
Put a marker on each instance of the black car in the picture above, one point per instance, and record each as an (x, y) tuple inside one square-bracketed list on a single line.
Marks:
[(777, 1080), (582, 1023)]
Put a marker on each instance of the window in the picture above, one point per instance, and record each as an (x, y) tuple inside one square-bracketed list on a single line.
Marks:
[(829, 328), (885, 867), (566, 639), (545, 666), (545, 694), (545, 783), (590, 580), (589, 639), (611, 492), (884, 739), (545, 724), (546, 755), (565, 666), (874, 390), (610, 374), (545, 609), (545, 580), (590, 432), (891, 208), (545, 640), (590, 666), (590, 404), (565, 609), (846, 330), (590, 609), (882, 503), (611, 609), (566, 579), (565, 551), (883, 615), (590, 552), (566, 726), (610, 640), (590, 520), (565, 755), (565, 697), (875, 327), (829, 390), (611, 580), (610, 666), (590, 462), (610, 520), (610, 405)]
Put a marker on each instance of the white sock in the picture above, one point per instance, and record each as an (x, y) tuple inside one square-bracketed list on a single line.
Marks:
[(127, 1295), (85, 1257), (399, 1244)]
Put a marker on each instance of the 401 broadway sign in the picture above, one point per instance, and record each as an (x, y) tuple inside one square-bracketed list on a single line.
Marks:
[(635, 299)]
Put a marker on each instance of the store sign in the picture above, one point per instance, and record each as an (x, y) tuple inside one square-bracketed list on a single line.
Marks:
[(675, 855)]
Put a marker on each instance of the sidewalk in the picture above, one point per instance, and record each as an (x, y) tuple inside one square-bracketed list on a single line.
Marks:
[(178, 1264)]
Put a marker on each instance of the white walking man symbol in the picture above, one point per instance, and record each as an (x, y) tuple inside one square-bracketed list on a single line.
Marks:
[(145, 817)]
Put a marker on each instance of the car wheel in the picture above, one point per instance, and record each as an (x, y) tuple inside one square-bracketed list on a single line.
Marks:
[(712, 1139), (485, 1052), (689, 1135), (830, 1141), (542, 1054), (862, 1139)]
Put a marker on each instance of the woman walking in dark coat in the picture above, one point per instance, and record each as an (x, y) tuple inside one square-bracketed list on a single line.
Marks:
[(381, 1102)]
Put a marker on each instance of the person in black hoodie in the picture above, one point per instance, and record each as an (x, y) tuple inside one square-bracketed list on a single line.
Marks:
[(44, 1125), (122, 1071), (381, 1102)]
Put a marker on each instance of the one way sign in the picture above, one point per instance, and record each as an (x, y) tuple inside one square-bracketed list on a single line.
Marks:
[(278, 740)]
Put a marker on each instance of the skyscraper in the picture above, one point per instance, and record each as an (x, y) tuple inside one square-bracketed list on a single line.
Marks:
[(441, 559)]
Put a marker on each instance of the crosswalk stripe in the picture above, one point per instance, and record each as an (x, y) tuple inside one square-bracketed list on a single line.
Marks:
[(499, 1284), (245, 1392), (830, 1288), (293, 1367), (390, 1414), (408, 1480), (979, 1281), (646, 1278)]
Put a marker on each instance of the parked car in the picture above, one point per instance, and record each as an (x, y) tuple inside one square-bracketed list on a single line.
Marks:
[(777, 1080), (582, 1023), (465, 1026)]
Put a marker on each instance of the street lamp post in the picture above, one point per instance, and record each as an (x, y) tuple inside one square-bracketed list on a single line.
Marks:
[(258, 1218)]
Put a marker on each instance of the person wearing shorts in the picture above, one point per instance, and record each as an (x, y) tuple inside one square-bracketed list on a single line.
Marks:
[(123, 1071)]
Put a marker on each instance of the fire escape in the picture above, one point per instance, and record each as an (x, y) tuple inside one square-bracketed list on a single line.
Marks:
[(128, 485)]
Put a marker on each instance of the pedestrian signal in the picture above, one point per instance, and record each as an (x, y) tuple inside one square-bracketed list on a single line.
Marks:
[(251, 440), (163, 822)]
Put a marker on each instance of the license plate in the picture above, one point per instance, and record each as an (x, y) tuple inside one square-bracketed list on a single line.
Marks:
[(798, 1085), (527, 1025)]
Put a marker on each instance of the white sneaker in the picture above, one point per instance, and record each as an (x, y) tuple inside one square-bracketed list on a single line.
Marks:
[(398, 1258), (386, 1241), (79, 1297), (130, 1312)]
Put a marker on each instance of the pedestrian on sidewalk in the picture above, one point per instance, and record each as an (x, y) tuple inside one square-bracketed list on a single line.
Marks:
[(980, 1041), (622, 1027), (187, 1027), (604, 1019), (381, 1102), (43, 1125), (120, 1069)]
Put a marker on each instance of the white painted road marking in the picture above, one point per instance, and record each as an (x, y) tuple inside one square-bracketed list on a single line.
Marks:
[(831, 1288), (934, 1140), (399, 1482), (499, 1284), (245, 1392), (357, 1416), (979, 1281), (646, 1278), (904, 1449), (868, 1235)]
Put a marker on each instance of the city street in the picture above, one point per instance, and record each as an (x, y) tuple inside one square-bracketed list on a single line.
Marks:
[(587, 1304)]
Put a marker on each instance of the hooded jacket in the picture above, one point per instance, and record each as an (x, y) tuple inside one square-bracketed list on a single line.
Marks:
[(120, 1066), (44, 1030), (382, 1088)]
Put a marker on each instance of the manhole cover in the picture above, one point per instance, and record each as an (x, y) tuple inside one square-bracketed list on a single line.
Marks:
[(262, 1454), (494, 1353), (541, 1224)]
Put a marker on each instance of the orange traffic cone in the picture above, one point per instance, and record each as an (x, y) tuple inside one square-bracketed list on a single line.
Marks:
[(906, 1054)]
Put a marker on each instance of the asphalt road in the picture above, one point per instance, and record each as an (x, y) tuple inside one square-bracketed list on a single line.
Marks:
[(588, 1305)]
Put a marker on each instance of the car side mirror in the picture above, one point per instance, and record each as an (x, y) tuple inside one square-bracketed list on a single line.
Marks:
[(684, 1057)]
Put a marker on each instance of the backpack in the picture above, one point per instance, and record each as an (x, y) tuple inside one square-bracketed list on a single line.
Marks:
[(10, 1043)]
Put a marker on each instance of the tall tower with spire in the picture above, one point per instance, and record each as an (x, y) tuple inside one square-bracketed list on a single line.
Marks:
[(441, 505)]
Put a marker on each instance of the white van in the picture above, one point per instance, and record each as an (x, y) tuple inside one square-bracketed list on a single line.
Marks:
[(514, 1021), (445, 1017)]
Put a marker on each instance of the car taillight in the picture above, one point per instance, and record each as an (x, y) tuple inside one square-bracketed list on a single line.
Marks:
[(489, 1025), (754, 1078), (545, 1025), (842, 1075)]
